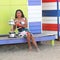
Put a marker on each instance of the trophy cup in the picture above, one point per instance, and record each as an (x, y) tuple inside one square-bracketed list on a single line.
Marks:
[(12, 33)]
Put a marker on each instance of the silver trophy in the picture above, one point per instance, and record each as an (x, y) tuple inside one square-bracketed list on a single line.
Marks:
[(12, 33)]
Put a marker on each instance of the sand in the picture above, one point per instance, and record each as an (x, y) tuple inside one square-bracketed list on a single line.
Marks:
[(20, 52)]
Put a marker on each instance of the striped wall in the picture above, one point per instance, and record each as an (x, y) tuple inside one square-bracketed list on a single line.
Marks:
[(50, 25), (59, 15), (35, 14)]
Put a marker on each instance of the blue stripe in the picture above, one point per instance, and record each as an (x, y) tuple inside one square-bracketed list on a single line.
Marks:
[(35, 27), (34, 2), (34, 23), (49, 13), (59, 13)]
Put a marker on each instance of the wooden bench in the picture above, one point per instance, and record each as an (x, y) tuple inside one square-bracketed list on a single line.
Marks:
[(35, 29)]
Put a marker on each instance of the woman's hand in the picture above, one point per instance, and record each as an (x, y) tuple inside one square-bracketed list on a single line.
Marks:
[(18, 24)]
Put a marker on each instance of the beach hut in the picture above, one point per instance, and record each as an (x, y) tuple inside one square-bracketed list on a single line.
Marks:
[(41, 15)]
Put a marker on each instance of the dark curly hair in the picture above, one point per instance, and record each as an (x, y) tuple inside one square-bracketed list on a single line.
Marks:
[(21, 13)]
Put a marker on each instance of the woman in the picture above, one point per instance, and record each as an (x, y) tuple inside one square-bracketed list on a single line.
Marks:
[(19, 17)]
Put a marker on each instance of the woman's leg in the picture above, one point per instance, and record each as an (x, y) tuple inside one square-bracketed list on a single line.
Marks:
[(30, 37), (28, 40), (34, 42)]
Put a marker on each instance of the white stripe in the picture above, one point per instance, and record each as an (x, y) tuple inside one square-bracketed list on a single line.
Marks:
[(59, 20), (52, 20), (51, 33), (49, 6), (59, 5), (34, 9), (35, 19), (34, 13)]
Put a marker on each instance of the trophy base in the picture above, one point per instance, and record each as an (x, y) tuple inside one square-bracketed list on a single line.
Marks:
[(12, 35)]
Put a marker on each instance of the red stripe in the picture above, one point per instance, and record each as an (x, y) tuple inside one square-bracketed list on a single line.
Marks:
[(49, 0), (50, 27)]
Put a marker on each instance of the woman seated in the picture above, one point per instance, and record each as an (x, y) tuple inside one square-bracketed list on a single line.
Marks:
[(21, 24)]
